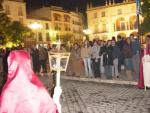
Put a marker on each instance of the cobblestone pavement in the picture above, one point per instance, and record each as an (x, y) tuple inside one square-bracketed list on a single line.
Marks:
[(88, 97)]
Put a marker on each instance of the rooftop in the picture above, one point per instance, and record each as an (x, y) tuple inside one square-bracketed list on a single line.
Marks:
[(110, 5)]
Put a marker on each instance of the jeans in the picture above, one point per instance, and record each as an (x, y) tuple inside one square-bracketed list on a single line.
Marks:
[(135, 63), (96, 67), (115, 67), (43, 65), (128, 63), (87, 66), (108, 71)]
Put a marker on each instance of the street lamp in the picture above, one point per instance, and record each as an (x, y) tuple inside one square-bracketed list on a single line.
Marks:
[(53, 34), (35, 27), (138, 12), (58, 62), (87, 32)]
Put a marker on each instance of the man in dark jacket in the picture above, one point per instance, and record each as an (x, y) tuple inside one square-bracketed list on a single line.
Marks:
[(115, 56), (107, 60), (135, 46), (120, 43)]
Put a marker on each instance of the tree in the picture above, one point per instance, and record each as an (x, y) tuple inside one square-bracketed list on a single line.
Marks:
[(67, 37), (145, 26), (4, 24), (17, 31)]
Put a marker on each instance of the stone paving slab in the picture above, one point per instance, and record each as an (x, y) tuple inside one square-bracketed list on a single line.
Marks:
[(98, 80), (84, 97), (91, 97)]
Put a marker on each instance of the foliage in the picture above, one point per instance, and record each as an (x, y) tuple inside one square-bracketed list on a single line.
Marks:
[(17, 31), (145, 26), (11, 31), (67, 37), (4, 24)]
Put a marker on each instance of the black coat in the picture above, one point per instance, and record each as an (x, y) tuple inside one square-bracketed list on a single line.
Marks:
[(107, 55), (116, 52)]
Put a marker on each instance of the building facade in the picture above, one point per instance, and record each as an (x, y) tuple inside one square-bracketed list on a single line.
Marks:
[(40, 29), (15, 9), (65, 24), (47, 23), (112, 20)]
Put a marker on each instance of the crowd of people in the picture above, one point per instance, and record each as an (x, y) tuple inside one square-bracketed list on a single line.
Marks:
[(90, 59), (108, 58), (28, 94)]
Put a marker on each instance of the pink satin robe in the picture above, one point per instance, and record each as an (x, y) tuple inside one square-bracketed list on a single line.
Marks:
[(141, 78), (23, 92)]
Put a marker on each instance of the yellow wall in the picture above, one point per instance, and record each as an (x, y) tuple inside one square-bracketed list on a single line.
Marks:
[(65, 23), (45, 30), (72, 26), (15, 10), (119, 19)]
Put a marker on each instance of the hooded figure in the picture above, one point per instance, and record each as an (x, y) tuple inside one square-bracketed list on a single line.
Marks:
[(23, 92)]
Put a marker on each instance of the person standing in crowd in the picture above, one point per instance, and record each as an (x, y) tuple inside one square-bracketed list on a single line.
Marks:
[(23, 92), (120, 43), (114, 38), (1, 61), (76, 61), (102, 49), (127, 52), (5, 65), (107, 59), (96, 59), (115, 56), (135, 45), (86, 56), (43, 58), (35, 59), (147, 52)]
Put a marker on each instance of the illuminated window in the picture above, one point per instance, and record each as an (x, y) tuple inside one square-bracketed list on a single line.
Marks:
[(103, 14), (47, 26), (121, 24), (66, 18), (104, 28), (119, 11), (67, 27), (133, 22), (95, 15), (20, 11), (96, 28), (57, 26), (7, 8), (57, 17), (47, 37), (40, 36)]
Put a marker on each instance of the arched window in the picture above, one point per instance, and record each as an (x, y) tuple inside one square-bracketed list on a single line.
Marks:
[(47, 37), (122, 35), (40, 37), (104, 27), (120, 24), (57, 17), (133, 23)]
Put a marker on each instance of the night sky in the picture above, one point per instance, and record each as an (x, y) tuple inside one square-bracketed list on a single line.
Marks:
[(66, 4)]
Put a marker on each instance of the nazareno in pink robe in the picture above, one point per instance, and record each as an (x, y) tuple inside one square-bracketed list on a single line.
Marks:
[(23, 92), (141, 78)]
